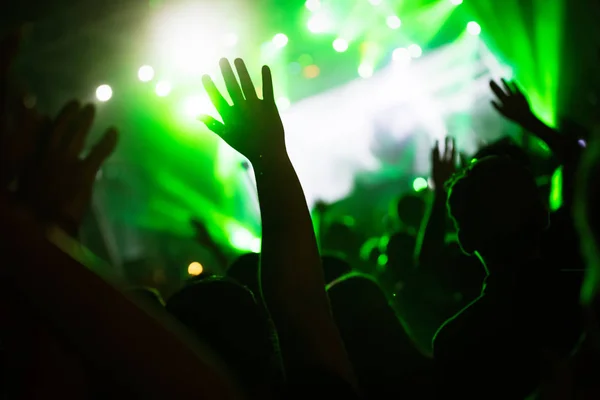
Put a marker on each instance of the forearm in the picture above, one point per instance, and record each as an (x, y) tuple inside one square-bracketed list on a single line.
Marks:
[(99, 321), (432, 235), (292, 281)]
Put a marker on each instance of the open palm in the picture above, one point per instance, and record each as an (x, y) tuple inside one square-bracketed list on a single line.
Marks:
[(252, 126)]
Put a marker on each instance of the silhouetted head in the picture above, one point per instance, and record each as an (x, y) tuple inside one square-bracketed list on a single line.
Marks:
[(245, 271), (225, 316), (587, 217), (497, 210), (410, 210), (504, 147), (335, 266)]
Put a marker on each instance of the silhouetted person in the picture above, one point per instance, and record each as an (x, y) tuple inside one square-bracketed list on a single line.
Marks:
[(225, 315), (493, 347), (384, 357)]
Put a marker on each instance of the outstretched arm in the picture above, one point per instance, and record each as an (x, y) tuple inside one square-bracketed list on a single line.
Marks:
[(292, 281), (513, 104)]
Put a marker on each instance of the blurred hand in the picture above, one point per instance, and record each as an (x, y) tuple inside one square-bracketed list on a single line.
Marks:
[(251, 126), (511, 102), (57, 185), (443, 163)]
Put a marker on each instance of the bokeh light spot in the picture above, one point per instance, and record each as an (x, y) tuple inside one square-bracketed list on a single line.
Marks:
[(145, 73), (280, 40), (420, 184), (163, 88), (415, 50), (340, 45), (365, 70), (195, 268), (473, 28), (318, 23), (311, 71), (104, 93), (393, 22), (401, 55)]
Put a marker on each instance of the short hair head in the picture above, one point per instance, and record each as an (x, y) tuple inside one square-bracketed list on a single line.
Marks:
[(496, 208)]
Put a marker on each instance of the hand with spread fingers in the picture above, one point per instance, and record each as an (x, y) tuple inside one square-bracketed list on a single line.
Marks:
[(58, 184), (511, 102), (443, 164), (252, 126)]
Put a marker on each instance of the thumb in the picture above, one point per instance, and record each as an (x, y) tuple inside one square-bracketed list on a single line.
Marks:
[(212, 124)]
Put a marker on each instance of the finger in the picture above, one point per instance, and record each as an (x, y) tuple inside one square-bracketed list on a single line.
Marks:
[(451, 155), (498, 107), (447, 147), (435, 152), (212, 124), (101, 151), (267, 85), (498, 91), (215, 96), (518, 90), (246, 82), (62, 123), (508, 86), (74, 140), (231, 82)]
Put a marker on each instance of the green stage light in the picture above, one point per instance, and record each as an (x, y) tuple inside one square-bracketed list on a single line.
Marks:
[(146, 73), (375, 2), (419, 184), (103, 93), (456, 2), (473, 28), (163, 88), (280, 40), (393, 22), (415, 50), (340, 45)]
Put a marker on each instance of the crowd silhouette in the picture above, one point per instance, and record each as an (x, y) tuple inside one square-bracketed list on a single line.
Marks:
[(483, 292)]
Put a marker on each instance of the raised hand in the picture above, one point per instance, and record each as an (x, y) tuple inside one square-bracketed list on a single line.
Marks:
[(443, 164), (58, 184), (251, 126), (510, 101)]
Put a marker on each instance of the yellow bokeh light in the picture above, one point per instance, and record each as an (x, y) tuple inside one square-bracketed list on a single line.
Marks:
[(195, 268)]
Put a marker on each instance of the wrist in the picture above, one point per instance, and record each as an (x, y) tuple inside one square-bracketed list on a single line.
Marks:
[(269, 162)]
